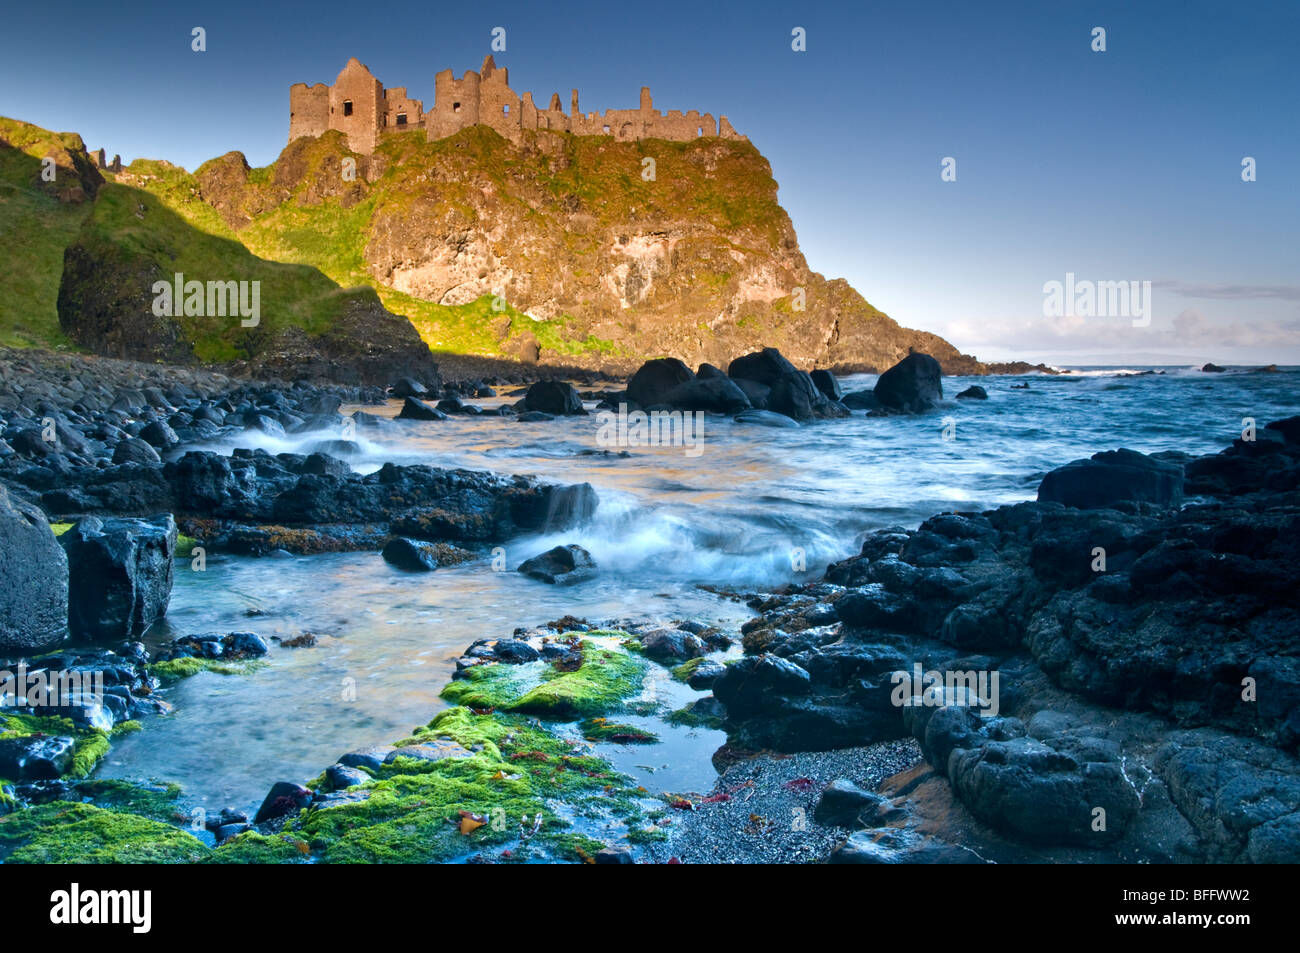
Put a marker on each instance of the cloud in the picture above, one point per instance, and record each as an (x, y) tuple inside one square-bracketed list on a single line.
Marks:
[(1188, 332), (1228, 292)]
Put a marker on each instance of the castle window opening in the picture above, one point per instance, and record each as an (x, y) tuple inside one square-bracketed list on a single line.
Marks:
[(505, 110), (699, 131), (455, 107), (606, 128), (401, 119), (347, 107)]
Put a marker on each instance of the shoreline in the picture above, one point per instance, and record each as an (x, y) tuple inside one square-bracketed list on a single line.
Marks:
[(818, 654)]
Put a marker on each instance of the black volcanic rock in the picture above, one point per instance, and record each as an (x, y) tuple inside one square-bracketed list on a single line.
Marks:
[(1111, 477), (120, 576), (557, 398), (655, 380), (34, 597), (912, 386), (563, 565)]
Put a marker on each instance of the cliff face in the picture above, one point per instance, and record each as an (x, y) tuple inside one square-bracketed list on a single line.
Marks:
[(559, 249), (689, 255)]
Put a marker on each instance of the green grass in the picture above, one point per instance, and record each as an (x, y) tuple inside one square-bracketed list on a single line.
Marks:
[(35, 228), (307, 242)]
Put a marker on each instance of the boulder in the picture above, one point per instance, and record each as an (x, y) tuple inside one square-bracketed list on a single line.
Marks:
[(135, 450), (411, 554), (159, 434), (120, 575), (415, 409), (748, 684), (34, 570), (718, 394), (861, 400), (826, 383), (843, 803), (754, 392), (655, 380), (557, 398), (408, 387), (1113, 476), (563, 565), (285, 797), (764, 367), (765, 418), (911, 386), (35, 757), (671, 644), (974, 392), (1213, 369)]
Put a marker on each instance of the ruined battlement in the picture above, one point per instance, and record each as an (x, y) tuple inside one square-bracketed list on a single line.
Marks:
[(358, 105)]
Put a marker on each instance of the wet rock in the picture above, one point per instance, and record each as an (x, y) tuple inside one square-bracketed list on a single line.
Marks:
[(340, 776), (789, 391), (826, 384), (372, 757), (671, 644), (557, 398), (1047, 796), (900, 846), (715, 394), (34, 567), (656, 379), (120, 576), (861, 400), (1113, 476), (411, 554), (414, 409), (614, 855), (912, 386), (514, 652), (766, 418), (705, 675), (158, 434), (748, 684), (135, 450), (408, 387), (844, 804), (436, 750), (562, 565), (285, 797), (974, 392), (35, 757)]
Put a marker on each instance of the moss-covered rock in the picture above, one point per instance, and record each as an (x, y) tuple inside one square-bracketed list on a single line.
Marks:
[(65, 833), (606, 677)]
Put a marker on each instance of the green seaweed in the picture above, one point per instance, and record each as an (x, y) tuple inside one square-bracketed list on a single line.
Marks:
[(65, 833), (173, 670)]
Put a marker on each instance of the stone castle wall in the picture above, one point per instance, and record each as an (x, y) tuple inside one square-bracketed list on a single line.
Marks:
[(359, 106)]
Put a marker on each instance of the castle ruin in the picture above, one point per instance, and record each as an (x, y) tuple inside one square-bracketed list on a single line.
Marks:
[(361, 108)]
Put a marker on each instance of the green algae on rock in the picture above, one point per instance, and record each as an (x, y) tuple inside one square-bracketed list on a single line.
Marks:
[(603, 680), (173, 670), (89, 744), (66, 833)]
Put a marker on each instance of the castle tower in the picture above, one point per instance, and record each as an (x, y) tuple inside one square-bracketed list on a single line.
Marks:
[(357, 107)]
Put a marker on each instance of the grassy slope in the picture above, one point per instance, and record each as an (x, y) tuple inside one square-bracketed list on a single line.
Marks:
[(290, 294), (35, 227), (728, 186)]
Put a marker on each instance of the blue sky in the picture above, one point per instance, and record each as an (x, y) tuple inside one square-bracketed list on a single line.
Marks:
[(1122, 165)]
